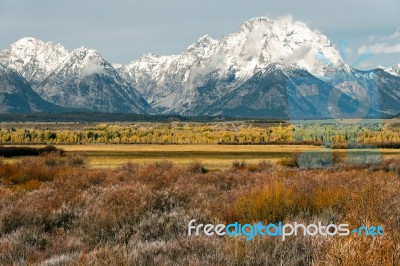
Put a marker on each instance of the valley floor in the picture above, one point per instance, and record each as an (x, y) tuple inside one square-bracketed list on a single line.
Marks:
[(211, 156)]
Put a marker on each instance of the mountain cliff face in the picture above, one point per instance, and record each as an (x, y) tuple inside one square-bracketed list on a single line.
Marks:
[(85, 80), (17, 96), (267, 68), (389, 91)]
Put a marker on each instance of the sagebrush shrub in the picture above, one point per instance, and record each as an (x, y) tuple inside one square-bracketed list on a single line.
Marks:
[(60, 213), (197, 168)]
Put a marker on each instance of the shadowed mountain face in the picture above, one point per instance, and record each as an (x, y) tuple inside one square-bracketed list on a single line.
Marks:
[(293, 93), (389, 91), (266, 69), (17, 96)]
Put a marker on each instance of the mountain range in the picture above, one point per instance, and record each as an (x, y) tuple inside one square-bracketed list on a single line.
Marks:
[(266, 69)]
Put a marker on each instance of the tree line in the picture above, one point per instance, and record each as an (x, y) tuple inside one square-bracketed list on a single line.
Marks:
[(181, 133)]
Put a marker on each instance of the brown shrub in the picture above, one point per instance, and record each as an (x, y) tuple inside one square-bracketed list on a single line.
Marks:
[(163, 165), (159, 175), (392, 165), (239, 165), (28, 186), (290, 161), (265, 166), (76, 159), (55, 213), (355, 250), (24, 171), (324, 198), (113, 212), (70, 160), (197, 168), (45, 208), (272, 204), (129, 168)]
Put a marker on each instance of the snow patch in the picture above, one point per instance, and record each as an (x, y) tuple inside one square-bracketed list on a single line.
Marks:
[(395, 71)]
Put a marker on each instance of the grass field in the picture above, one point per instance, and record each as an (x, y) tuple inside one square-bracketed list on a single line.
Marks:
[(212, 156)]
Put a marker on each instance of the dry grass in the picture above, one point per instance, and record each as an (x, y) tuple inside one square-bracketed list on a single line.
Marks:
[(213, 157), (56, 211)]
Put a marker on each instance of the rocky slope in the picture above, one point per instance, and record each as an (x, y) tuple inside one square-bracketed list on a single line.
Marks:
[(17, 96)]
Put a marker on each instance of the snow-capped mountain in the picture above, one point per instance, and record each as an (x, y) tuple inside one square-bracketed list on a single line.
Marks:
[(78, 79), (267, 68), (17, 96), (86, 80), (394, 70), (33, 59), (170, 83)]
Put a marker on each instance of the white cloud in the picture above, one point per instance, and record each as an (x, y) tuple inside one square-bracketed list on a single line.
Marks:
[(289, 20), (387, 45), (92, 66), (396, 34), (380, 48), (297, 55), (254, 43)]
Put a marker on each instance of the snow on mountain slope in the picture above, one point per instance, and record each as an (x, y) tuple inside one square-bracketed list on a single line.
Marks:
[(33, 59), (163, 81), (169, 82), (86, 80), (395, 71), (261, 41)]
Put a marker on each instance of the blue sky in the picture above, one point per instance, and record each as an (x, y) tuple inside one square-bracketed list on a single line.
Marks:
[(123, 30)]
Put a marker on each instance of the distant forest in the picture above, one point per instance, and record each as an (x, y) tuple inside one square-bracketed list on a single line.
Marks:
[(242, 133), (97, 117)]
